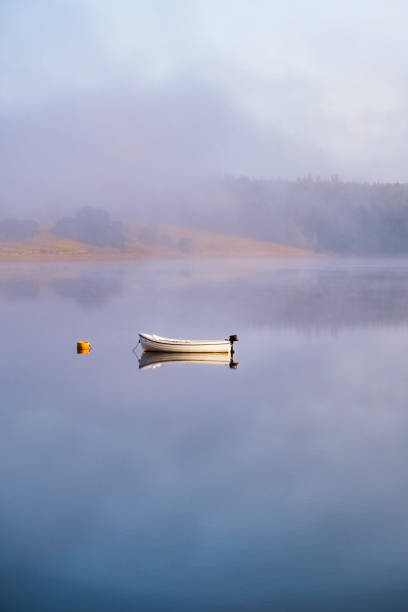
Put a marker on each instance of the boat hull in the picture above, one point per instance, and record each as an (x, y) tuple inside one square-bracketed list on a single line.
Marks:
[(171, 345)]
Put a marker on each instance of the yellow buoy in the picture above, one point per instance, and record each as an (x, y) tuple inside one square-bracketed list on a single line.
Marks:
[(83, 347)]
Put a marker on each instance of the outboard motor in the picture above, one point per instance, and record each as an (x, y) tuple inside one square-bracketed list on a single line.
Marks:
[(232, 339)]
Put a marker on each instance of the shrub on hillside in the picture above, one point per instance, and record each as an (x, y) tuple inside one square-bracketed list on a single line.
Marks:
[(13, 229), (92, 226)]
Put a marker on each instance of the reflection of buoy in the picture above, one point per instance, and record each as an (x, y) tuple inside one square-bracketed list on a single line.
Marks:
[(83, 348)]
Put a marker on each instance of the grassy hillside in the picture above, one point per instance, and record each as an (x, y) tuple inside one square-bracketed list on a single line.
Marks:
[(163, 242)]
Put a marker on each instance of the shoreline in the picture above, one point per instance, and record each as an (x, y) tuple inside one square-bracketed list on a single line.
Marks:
[(127, 257), (203, 246)]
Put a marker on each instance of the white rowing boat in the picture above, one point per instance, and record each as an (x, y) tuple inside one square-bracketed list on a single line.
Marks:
[(151, 342)]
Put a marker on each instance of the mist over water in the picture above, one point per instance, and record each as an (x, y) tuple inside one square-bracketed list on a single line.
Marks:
[(132, 483), (280, 484)]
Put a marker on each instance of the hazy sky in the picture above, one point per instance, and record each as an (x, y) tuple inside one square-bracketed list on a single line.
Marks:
[(107, 96)]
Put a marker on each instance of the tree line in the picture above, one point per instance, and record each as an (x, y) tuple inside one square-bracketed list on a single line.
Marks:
[(89, 225), (328, 216)]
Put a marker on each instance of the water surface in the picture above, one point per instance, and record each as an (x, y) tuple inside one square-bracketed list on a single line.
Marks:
[(280, 485)]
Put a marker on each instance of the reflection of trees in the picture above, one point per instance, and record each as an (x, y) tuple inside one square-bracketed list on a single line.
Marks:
[(337, 299), (185, 245), (304, 299), (323, 296), (88, 291)]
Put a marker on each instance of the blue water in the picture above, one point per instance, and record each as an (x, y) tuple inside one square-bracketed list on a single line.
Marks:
[(279, 485)]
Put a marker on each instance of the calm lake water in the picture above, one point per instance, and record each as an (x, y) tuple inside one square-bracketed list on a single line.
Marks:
[(279, 485)]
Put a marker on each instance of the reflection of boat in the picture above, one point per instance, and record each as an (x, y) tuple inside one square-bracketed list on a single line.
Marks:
[(151, 342), (154, 359)]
